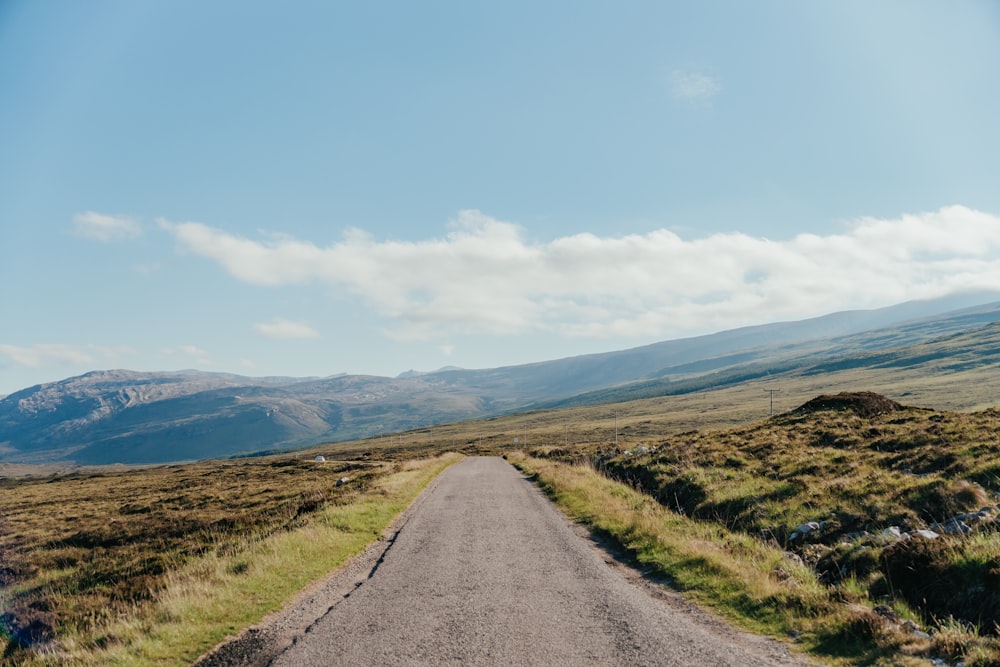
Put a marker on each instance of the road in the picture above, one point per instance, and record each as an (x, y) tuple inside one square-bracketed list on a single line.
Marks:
[(486, 571)]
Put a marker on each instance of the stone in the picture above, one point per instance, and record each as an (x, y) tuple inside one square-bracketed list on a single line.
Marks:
[(793, 557), (893, 534), (805, 529), (952, 526)]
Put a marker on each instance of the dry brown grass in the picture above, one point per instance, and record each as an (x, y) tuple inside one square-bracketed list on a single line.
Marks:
[(87, 552)]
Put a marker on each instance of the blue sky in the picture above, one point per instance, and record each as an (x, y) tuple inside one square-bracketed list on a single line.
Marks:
[(310, 188)]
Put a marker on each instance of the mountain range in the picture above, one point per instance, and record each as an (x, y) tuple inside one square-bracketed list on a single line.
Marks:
[(120, 416)]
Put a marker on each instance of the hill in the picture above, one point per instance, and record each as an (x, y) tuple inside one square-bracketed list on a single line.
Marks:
[(946, 344), (130, 417), (860, 525)]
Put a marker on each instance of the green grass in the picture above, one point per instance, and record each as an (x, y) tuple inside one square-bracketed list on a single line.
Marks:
[(716, 511), (748, 580), (70, 546)]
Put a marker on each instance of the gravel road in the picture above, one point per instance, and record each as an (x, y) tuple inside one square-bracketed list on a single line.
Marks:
[(484, 570)]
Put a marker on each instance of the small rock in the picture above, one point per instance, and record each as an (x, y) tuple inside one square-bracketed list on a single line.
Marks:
[(343, 480), (795, 558), (952, 526), (807, 528), (894, 534), (926, 534)]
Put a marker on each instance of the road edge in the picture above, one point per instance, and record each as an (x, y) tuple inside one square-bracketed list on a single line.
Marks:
[(259, 644)]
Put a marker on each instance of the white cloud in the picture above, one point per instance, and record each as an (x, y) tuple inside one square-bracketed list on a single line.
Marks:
[(484, 277), (283, 329), (192, 353), (693, 87), (147, 269), (105, 228), (41, 355)]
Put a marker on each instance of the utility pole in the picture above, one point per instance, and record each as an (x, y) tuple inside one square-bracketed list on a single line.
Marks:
[(616, 428), (772, 392)]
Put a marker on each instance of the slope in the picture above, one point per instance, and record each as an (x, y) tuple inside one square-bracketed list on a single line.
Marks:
[(128, 417)]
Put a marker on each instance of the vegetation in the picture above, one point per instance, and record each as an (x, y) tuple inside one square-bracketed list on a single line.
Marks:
[(155, 566), (119, 566), (806, 524), (946, 363)]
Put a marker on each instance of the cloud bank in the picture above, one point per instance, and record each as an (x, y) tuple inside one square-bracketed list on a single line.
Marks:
[(100, 227), (190, 353), (484, 277), (281, 329), (693, 87), (43, 354)]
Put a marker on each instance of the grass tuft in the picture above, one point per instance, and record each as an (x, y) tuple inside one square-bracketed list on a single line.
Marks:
[(861, 598), (87, 583)]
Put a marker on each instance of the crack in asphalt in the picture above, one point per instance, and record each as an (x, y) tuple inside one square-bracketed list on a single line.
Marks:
[(389, 542), (489, 572), (263, 644)]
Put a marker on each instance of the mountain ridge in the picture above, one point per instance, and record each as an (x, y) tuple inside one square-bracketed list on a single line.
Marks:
[(110, 416)]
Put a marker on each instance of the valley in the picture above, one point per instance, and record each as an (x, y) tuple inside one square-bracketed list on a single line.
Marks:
[(858, 524), (948, 359)]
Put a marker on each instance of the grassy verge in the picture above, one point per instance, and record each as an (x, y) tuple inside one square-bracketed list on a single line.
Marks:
[(752, 582), (239, 572)]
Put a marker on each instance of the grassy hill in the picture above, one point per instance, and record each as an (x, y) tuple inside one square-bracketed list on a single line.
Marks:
[(864, 529), (128, 417), (939, 349), (792, 525), (803, 525)]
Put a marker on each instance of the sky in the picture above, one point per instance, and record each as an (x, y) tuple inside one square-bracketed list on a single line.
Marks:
[(313, 188)]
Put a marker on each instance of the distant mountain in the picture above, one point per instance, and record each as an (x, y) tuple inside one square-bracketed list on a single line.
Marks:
[(545, 382), (961, 340), (130, 417)]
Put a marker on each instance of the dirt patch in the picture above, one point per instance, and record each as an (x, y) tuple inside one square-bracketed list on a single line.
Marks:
[(862, 403)]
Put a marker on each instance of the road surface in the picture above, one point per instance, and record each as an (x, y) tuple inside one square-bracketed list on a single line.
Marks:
[(484, 570)]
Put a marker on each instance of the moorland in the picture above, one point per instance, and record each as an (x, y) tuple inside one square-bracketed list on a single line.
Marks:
[(128, 417), (858, 522)]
